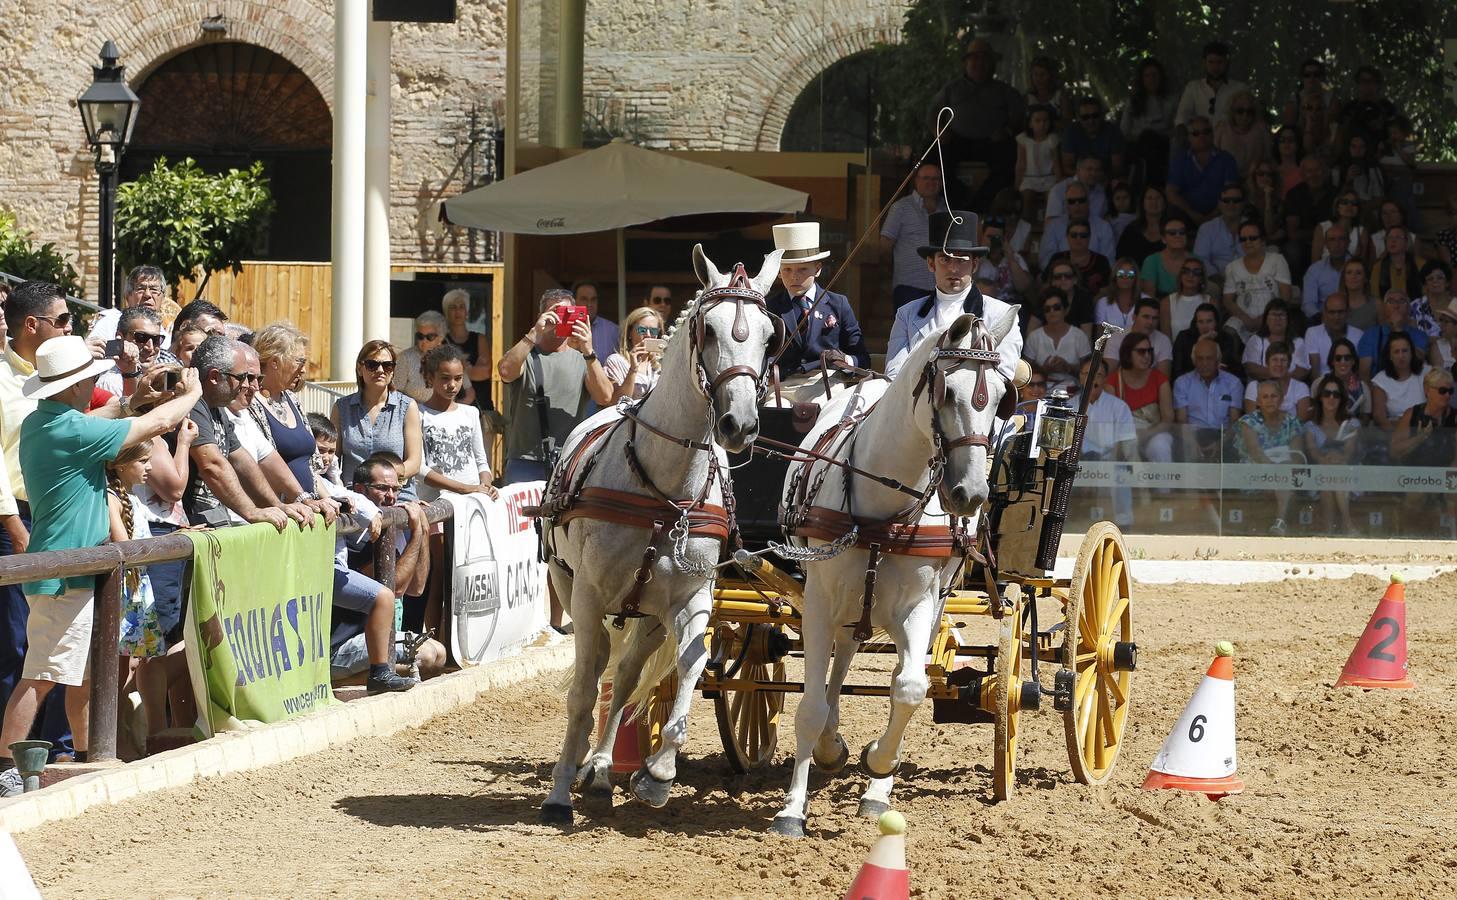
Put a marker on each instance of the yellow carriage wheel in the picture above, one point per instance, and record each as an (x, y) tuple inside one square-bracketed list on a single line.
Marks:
[(1008, 693), (1098, 648), (748, 718), (650, 725)]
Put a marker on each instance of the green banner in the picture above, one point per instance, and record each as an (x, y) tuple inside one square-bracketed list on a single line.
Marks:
[(258, 623)]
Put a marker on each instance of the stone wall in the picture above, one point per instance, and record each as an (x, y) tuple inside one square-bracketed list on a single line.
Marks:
[(705, 75)]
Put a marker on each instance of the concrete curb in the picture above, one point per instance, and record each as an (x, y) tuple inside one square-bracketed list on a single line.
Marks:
[(271, 744)]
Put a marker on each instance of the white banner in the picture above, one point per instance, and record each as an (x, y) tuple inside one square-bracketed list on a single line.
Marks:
[(1251, 477), (498, 600)]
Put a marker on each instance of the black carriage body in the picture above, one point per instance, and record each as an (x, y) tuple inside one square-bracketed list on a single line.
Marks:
[(759, 480)]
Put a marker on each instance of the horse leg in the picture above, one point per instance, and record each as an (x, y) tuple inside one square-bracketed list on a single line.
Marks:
[(589, 658), (813, 712), (908, 689), (597, 771), (654, 780), (830, 751)]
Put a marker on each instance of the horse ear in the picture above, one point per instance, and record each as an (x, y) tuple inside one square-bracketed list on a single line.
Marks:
[(1005, 326), (770, 271), (959, 329), (708, 274)]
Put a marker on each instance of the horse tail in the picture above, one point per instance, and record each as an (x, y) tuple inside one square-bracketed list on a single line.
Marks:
[(662, 663)]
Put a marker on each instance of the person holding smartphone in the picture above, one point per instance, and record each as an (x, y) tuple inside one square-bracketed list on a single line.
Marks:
[(633, 369)]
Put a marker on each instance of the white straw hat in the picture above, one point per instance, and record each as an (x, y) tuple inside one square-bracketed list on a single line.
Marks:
[(61, 362)]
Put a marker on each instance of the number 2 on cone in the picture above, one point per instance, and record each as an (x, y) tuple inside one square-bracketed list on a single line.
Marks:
[(1378, 650)]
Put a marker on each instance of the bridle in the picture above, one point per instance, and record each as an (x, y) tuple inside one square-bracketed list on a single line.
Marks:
[(739, 291), (982, 355)]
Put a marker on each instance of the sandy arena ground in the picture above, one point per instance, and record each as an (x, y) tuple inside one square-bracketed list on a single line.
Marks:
[(1348, 793)]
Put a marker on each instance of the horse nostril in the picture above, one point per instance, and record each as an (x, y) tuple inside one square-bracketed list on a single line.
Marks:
[(960, 495), (728, 424)]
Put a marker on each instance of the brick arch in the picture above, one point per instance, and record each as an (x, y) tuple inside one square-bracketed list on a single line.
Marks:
[(301, 31), (845, 27)]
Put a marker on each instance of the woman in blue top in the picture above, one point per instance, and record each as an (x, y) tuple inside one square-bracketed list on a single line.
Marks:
[(282, 358), (379, 418)]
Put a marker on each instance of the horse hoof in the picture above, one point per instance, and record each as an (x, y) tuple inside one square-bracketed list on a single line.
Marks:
[(557, 815), (788, 826), (872, 809), (865, 765), (649, 789), (836, 764), (597, 783)]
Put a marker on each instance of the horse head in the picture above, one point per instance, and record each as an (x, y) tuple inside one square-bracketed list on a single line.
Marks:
[(732, 334), (964, 391)]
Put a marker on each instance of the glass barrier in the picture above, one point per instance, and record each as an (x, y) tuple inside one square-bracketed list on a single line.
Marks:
[(1357, 482)]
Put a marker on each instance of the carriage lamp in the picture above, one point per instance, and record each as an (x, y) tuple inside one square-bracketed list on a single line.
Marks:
[(1057, 424)]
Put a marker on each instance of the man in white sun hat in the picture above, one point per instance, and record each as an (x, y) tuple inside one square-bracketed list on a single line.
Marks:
[(63, 456), (831, 328)]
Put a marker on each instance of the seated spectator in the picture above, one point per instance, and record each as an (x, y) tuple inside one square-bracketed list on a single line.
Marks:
[(634, 379), (1004, 267), (1312, 87), (477, 352), (1148, 122), (1361, 172), (1323, 278), (1145, 321), (1399, 268), (1159, 274), (1176, 309), (1092, 136), (1289, 151), (1330, 440), (1252, 281), (1341, 363), (202, 315), (1145, 234), (1320, 338), (1086, 174), (1267, 206), (1039, 165), (1109, 435), (1306, 205), (1294, 393), (1035, 389), (1118, 302), (1243, 132), (1121, 213), (1057, 233), (1446, 238), (1008, 205), (62, 459), (1361, 310), (1347, 214), (1275, 328), (1206, 324), (429, 333), (1217, 241), (1437, 295), (1426, 437), (548, 383), (1444, 348), (1206, 401), (1138, 383), (1270, 434), (1397, 319), (1093, 269), (1198, 175), (1056, 348), (1064, 276), (377, 417), (1397, 385)]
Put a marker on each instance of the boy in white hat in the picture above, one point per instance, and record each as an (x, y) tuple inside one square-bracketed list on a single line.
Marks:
[(831, 327)]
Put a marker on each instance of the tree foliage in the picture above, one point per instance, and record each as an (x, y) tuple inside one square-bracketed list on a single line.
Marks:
[(182, 220), (1100, 42), (22, 257)]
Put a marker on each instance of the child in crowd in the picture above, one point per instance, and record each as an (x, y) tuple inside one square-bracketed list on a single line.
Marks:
[(188, 337), (455, 452), (325, 463), (1038, 165), (142, 637)]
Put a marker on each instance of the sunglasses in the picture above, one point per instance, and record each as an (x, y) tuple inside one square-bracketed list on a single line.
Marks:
[(1343, 357), (1250, 239), (382, 487), (1053, 307), (1126, 273), (1331, 393), (245, 377), (380, 365), (60, 321), (1175, 232), (648, 331), (1043, 384), (141, 337), (422, 336), (1064, 276), (1444, 391), (1075, 201), (1142, 349)]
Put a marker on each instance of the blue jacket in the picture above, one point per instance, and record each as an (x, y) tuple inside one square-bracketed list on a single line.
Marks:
[(833, 327)]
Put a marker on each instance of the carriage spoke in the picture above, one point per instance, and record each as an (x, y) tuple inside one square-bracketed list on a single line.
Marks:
[(1116, 618), (1115, 684), (1090, 721)]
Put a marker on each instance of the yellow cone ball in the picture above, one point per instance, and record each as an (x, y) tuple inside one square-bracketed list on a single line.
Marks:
[(892, 822), (1224, 648), (1398, 578)]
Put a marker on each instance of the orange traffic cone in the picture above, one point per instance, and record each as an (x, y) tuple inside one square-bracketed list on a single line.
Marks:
[(632, 737), (884, 875), (1199, 755), (1379, 660)]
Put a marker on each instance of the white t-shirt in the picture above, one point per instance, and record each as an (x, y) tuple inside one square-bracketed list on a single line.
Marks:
[(1073, 347), (1182, 308), (1318, 344), (1256, 347), (1110, 423), (616, 368), (1294, 393), (1253, 291), (253, 440), (1400, 395), (453, 446), (1163, 348), (1041, 173), (1106, 310)]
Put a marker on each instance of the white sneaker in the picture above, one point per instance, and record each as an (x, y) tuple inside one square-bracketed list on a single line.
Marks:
[(11, 784)]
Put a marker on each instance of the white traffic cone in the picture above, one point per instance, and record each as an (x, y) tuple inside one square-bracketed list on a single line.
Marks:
[(884, 875), (1199, 754), (15, 881)]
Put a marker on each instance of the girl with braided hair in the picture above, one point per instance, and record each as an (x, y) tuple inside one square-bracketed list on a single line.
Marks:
[(141, 634)]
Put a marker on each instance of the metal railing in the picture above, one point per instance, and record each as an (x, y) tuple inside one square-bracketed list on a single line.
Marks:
[(110, 561)]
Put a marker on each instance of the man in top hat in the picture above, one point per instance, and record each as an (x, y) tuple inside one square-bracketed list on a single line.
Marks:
[(953, 256), (830, 330)]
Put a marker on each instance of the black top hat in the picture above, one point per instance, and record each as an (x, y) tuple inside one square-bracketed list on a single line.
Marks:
[(953, 232)]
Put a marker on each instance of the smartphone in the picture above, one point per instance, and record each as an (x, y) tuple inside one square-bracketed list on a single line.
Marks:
[(566, 316), (654, 345), (114, 348), (171, 380)]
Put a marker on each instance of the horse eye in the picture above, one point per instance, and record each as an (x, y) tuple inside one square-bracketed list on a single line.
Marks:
[(708, 329)]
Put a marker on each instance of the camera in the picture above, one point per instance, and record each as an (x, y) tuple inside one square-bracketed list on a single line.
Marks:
[(114, 347), (567, 315), (171, 380), (654, 345)]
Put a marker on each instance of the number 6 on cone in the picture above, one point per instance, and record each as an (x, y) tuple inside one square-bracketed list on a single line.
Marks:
[(1199, 754)]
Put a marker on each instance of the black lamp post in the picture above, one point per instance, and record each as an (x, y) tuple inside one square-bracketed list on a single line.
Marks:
[(109, 112)]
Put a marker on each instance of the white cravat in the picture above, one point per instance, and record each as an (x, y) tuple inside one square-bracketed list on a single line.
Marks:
[(948, 307)]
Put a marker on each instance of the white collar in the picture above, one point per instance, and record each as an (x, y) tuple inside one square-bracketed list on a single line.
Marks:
[(945, 299), (809, 294)]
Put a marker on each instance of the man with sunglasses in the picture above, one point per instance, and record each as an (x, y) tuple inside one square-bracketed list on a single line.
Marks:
[(1217, 242), (140, 328), (1198, 175), (1101, 239), (1210, 95), (1089, 174), (1093, 135)]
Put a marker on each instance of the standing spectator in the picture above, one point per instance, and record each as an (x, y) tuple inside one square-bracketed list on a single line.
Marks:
[(1399, 269), (548, 383), (63, 454), (1176, 310), (1368, 113), (605, 332), (1330, 440), (1252, 281), (1148, 121), (1396, 307), (1198, 175), (203, 315), (633, 368), (377, 417), (1266, 206), (1323, 278), (186, 340), (1217, 242), (1312, 87), (1145, 234), (146, 288), (1056, 234), (907, 228), (455, 452), (1064, 276), (1057, 347), (472, 345), (1002, 265), (1160, 271), (1287, 157), (660, 301), (1145, 321), (1039, 163), (1243, 132), (1118, 302), (1276, 327), (283, 354), (1397, 385), (1269, 434), (1437, 280), (1088, 172), (1306, 205), (141, 328), (1334, 326), (1341, 363), (1361, 172), (429, 334), (1045, 89), (1207, 400), (1294, 393), (1092, 135), (250, 426), (1146, 390), (1109, 435), (1209, 96), (988, 113)]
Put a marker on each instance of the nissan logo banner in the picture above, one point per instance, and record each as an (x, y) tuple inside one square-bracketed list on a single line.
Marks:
[(498, 601)]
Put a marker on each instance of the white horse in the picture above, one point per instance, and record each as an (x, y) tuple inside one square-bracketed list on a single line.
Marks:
[(614, 540), (941, 407)]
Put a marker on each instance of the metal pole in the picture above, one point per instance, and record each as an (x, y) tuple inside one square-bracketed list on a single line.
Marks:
[(105, 626), (107, 218)]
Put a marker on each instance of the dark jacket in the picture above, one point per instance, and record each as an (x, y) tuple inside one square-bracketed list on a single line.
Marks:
[(832, 327)]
